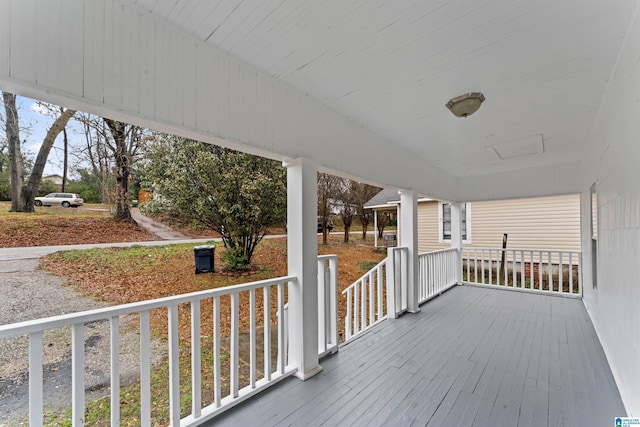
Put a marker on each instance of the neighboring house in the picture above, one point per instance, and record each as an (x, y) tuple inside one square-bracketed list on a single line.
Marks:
[(55, 179), (551, 222)]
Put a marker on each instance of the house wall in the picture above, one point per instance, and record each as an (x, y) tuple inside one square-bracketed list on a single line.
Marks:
[(611, 160), (551, 222)]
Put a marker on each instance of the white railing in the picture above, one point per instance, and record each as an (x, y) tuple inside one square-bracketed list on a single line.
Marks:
[(437, 272), (327, 304), (365, 304), (259, 377), (542, 271), (379, 293)]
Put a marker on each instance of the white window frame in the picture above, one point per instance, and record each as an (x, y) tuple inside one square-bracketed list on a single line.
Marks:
[(441, 238)]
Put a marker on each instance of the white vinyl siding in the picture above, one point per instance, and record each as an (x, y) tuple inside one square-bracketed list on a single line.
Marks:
[(551, 222)]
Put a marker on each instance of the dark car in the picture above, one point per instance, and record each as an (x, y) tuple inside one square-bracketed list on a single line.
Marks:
[(329, 224)]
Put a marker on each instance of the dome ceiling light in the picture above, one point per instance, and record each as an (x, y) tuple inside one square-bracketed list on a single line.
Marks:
[(465, 105)]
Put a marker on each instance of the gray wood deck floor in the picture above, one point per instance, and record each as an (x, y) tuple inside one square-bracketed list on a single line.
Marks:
[(471, 357)]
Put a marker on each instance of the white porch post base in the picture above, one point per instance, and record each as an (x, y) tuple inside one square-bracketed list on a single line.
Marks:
[(302, 259), (409, 235), (306, 375)]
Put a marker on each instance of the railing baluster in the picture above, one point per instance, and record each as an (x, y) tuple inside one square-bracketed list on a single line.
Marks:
[(371, 299), (363, 302), (490, 267), (196, 362), (145, 369), (252, 338), (234, 344), (560, 272), (571, 273), (522, 269), (174, 366), (282, 354), (322, 303), (540, 265), (77, 374), (217, 368), (550, 271), (531, 268), (35, 379), (514, 269), (356, 307), (483, 267), (379, 281), (333, 301), (348, 327), (114, 335), (266, 304), (475, 265)]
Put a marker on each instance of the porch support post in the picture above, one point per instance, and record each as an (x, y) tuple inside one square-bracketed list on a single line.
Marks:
[(302, 257), (375, 228), (409, 236), (456, 235)]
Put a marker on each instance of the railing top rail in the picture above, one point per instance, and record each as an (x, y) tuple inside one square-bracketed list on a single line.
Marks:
[(471, 248), (398, 249), (438, 251), (39, 325), (326, 257), (380, 264)]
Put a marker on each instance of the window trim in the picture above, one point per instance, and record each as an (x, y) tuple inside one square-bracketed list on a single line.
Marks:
[(441, 238)]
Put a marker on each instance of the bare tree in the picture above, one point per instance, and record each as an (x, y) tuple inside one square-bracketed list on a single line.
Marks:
[(327, 190), (124, 138), (111, 148), (383, 221), (22, 195), (346, 197), (362, 193)]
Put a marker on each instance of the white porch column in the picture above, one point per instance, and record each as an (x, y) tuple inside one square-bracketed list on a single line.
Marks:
[(409, 235), (302, 256), (375, 228), (456, 235)]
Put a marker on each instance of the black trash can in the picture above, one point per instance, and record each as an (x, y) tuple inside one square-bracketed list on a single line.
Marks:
[(204, 258)]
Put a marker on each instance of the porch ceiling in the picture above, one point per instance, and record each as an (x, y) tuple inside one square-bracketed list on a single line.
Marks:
[(392, 66)]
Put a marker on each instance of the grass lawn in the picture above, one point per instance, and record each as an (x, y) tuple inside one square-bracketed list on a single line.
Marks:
[(123, 275)]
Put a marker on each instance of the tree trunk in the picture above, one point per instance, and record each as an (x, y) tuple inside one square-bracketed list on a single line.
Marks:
[(41, 160), (365, 225), (118, 130), (65, 162), (15, 156), (346, 232)]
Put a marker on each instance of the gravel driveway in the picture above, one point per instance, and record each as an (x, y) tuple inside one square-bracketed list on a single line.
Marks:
[(28, 293)]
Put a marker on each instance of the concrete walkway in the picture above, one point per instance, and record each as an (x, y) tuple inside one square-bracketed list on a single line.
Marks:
[(161, 230)]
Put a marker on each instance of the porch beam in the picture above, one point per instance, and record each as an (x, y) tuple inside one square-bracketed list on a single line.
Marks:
[(302, 255), (409, 235)]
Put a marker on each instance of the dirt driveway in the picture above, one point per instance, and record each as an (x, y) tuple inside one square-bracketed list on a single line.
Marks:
[(29, 293)]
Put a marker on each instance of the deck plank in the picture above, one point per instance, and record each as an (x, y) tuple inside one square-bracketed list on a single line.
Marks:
[(471, 357)]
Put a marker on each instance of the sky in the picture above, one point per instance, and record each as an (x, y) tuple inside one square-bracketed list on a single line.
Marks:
[(34, 124)]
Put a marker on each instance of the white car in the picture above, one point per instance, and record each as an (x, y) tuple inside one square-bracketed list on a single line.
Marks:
[(60, 199)]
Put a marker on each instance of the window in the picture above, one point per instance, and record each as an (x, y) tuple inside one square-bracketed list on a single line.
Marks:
[(444, 217)]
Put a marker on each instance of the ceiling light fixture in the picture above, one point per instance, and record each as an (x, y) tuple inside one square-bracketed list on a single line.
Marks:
[(465, 105)]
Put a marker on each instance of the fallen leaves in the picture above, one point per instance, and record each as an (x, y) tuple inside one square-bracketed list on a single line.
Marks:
[(23, 231)]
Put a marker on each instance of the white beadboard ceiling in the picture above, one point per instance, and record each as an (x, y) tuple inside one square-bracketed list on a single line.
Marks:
[(391, 66)]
